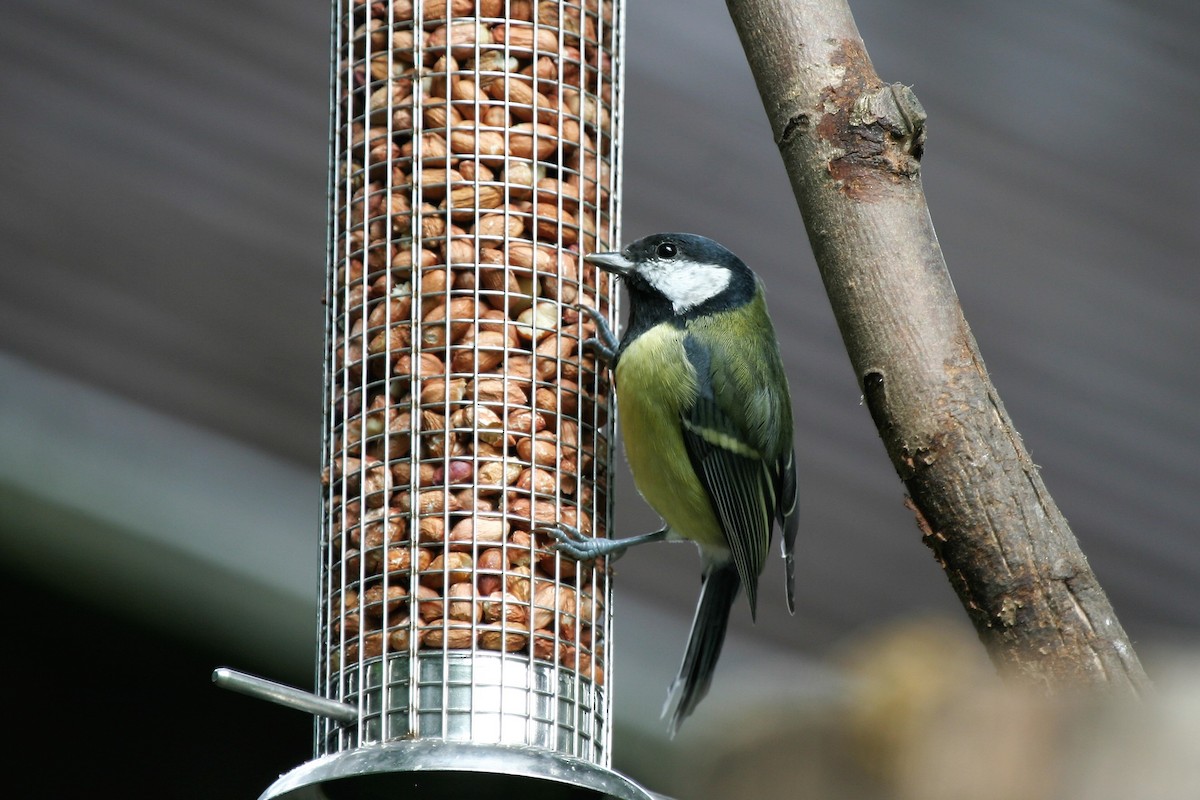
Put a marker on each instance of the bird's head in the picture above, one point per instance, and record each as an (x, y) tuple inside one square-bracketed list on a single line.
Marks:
[(676, 274)]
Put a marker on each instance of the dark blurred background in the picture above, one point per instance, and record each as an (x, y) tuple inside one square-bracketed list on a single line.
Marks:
[(162, 235)]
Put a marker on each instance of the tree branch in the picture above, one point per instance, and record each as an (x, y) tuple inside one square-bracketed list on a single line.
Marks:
[(852, 148)]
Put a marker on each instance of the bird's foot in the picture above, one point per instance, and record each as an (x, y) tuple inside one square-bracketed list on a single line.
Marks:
[(605, 343), (572, 542), (603, 353)]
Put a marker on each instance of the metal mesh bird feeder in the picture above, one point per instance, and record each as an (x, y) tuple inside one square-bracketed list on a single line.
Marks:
[(474, 157)]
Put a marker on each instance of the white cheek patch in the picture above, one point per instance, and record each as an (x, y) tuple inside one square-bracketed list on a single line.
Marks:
[(688, 284)]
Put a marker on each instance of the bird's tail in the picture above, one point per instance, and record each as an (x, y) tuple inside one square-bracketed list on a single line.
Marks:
[(717, 593)]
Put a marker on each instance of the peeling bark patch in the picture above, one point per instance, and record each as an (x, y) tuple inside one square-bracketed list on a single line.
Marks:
[(933, 539), (927, 531), (876, 132), (926, 455)]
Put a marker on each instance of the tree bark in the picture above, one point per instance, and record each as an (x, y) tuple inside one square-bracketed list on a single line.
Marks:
[(852, 147)]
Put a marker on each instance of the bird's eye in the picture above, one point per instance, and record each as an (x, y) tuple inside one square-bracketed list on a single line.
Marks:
[(667, 250)]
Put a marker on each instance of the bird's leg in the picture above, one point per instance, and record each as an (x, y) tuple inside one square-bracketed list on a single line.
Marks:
[(605, 343), (581, 547)]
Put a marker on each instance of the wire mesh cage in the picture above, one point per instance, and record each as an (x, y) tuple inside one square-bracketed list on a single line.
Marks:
[(475, 146)]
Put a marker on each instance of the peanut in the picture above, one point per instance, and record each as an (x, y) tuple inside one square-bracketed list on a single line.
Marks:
[(462, 604), (398, 638), (538, 451), (442, 391), (454, 567), (431, 530), (538, 321), (431, 501), (550, 601), (526, 37), (429, 602), (376, 600), (474, 501), (471, 531), (451, 634), (485, 145), (498, 392), (461, 36), (532, 140), (504, 607), (497, 474), (485, 356), (508, 637)]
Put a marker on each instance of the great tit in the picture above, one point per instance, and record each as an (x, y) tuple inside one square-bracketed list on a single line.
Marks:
[(706, 420)]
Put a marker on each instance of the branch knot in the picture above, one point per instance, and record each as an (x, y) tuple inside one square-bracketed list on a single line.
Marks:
[(876, 131)]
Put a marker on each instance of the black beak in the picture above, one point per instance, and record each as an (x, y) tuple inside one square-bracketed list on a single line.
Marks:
[(612, 262)]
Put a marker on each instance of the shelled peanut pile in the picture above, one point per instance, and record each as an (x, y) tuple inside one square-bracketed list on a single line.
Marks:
[(473, 167)]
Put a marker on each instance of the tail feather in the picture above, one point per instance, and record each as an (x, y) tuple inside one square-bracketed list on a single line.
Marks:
[(717, 593)]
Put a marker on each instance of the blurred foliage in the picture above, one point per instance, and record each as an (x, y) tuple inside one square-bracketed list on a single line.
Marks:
[(923, 716)]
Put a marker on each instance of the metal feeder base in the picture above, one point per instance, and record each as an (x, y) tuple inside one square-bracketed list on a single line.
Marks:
[(432, 768)]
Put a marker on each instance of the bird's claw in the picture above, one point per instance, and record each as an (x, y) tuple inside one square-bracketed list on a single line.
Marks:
[(574, 543), (599, 349), (605, 343), (591, 312)]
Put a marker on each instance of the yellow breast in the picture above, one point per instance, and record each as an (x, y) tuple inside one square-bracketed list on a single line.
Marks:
[(655, 382)]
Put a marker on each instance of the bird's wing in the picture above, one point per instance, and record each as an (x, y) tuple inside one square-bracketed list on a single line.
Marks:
[(739, 484), (740, 481)]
